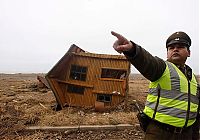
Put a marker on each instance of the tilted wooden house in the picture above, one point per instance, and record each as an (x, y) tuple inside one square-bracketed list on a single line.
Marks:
[(89, 80)]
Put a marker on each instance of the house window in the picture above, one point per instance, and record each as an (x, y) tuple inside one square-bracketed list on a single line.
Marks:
[(78, 72), (75, 89), (104, 97), (113, 73)]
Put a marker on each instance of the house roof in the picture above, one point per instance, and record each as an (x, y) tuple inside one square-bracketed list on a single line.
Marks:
[(102, 56), (80, 52)]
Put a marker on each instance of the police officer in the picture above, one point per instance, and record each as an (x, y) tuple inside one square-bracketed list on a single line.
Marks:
[(172, 101)]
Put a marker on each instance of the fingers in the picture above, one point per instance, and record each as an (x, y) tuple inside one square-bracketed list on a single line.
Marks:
[(122, 48), (120, 37), (121, 44), (116, 46)]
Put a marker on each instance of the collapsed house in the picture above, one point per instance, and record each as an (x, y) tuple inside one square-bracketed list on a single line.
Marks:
[(89, 80)]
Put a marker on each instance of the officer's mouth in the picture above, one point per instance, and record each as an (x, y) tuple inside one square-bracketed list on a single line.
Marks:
[(175, 54)]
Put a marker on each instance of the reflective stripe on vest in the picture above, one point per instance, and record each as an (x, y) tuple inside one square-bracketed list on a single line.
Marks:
[(173, 102)]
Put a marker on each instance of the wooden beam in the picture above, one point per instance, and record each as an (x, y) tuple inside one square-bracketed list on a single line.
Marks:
[(81, 127)]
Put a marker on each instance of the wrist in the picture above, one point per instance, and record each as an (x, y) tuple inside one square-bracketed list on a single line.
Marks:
[(132, 49)]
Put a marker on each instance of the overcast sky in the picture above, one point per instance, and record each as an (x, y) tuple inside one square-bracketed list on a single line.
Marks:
[(35, 34)]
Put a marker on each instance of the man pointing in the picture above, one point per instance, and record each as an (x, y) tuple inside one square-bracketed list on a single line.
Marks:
[(172, 103)]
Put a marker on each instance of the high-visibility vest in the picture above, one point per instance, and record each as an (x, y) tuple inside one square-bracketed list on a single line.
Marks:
[(172, 105)]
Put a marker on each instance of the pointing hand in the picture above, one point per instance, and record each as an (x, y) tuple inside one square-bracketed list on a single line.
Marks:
[(121, 44)]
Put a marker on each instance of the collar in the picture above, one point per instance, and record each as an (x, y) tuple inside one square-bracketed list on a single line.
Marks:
[(186, 70)]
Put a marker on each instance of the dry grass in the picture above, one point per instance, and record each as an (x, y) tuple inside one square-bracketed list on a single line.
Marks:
[(23, 104)]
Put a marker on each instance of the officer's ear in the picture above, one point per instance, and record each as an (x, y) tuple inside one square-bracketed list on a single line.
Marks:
[(188, 52)]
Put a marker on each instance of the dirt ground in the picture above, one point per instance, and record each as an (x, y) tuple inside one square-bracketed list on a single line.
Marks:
[(23, 104)]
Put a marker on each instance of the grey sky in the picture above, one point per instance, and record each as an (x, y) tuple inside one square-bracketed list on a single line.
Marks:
[(35, 34)]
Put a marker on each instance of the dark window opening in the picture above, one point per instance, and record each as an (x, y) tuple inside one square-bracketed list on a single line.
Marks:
[(75, 89), (104, 97), (113, 73), (78, 72)]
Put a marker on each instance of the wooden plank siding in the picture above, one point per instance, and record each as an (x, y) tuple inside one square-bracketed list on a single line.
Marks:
[(107, 85), (58, 92)]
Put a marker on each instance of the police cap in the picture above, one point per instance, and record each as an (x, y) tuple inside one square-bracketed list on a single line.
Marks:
[(178, 37)]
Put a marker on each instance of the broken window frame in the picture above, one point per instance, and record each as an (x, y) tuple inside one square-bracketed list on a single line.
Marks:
[(112, 73), (107, 98), (78, 72), (75, 89)]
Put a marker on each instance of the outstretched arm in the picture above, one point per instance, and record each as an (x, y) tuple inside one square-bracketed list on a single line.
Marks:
[(149, 66)]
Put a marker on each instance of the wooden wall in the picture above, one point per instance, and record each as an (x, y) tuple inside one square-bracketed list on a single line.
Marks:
[(94, 83)]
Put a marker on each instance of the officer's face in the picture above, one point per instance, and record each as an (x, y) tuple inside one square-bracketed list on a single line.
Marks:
[(177, 53)]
